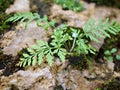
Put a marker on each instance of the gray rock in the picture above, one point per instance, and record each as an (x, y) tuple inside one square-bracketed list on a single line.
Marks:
[(25, 38)]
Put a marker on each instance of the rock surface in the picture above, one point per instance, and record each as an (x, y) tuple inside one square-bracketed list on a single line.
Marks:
[(19, 6), (61, 76), (45, 77), (24, 37)]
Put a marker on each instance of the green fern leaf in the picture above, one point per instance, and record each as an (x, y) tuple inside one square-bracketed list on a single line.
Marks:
[(34, 59), (25, 55), (35, 47), (49, 58), (40, 57), (29, 61), (62, 54), (24, 61), (31, 51)]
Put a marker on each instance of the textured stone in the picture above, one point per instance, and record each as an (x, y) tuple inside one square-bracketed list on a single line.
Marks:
[(25, 37), (19, 6)]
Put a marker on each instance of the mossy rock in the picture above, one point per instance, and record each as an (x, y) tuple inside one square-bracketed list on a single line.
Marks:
[(113, 84), (109, 43), (112, 42), (3, 24), (115, 3), (4, 4)]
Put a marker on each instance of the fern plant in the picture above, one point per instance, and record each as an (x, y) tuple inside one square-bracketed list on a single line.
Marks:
[(68, 41), (46, 50), (65, 40), (29, 17), (74, 5)]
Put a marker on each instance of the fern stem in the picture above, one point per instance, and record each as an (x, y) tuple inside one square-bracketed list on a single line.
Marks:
[(73, 45)]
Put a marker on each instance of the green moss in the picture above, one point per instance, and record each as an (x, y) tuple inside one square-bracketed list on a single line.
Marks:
[(115, 3), (3, 24), (4, 4), (112, 84), (74, 5)]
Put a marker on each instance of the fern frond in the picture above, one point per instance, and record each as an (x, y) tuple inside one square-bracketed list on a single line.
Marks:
[(29, 17), (37, 54), (102, 29)]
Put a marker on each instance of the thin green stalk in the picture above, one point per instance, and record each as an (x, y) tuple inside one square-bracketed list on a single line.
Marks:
[(73, 45)]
